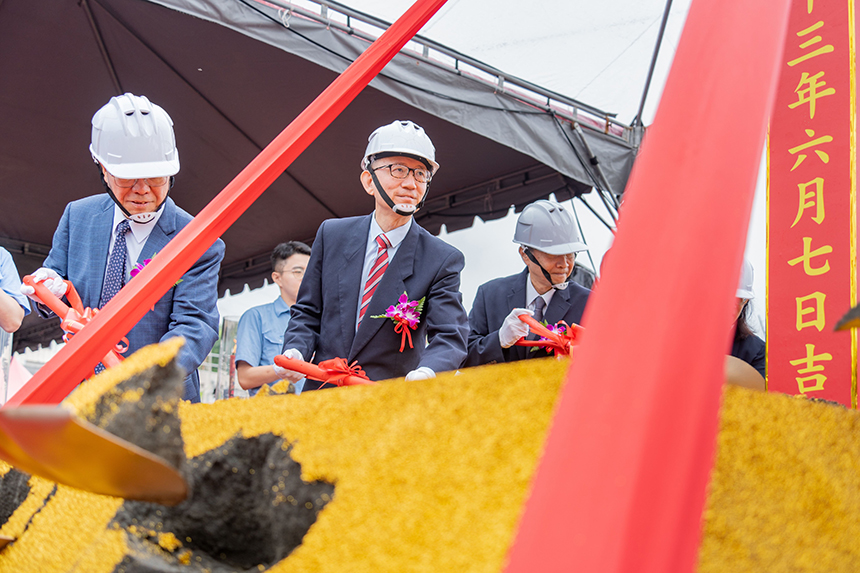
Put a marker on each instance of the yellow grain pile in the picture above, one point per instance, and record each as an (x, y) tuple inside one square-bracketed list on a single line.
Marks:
[(432, 476)]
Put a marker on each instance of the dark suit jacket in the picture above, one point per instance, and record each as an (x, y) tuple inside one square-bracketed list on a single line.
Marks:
[(753, 351), (79, 253), (496, 299), (322, 322)]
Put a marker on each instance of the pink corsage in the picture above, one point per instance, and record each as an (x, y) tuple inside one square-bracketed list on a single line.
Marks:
[(405, 314), (135, 270), (139, 267)]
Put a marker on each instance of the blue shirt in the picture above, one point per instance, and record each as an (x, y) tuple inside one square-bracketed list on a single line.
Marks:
[(10, 282), (260, 336)]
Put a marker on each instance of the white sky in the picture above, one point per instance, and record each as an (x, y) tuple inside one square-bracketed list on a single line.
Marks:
[(597, 52)]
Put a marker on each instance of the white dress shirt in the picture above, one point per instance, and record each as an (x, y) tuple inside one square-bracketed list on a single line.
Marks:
[(134, 240), (395, 237)]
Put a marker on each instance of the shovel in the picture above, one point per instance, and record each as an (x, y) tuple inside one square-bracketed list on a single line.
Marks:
[(53, 443)]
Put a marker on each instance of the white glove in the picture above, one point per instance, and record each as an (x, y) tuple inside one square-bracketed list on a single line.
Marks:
[(421, 373), (50, 279), (513, 328), (290, 375)]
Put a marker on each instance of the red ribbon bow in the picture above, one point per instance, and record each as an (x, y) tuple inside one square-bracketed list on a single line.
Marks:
[(338, 371), (560, 344), (74, 318)]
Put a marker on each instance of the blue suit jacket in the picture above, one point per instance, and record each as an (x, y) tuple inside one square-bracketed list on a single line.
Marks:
[(79, 253), (496, 299), (322, 322)]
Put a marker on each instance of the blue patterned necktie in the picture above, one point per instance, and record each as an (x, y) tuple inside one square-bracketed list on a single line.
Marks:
[(115, 273)]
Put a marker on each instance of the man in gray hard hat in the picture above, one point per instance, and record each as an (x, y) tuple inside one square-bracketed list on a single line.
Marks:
[(549, 241)]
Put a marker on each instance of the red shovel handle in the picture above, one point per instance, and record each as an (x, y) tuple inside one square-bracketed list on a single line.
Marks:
[(314, 372)]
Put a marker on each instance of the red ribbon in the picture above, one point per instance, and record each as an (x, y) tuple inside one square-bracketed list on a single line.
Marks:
[(337, 370), (560, 344), (402, 326), (75, 318), (334, 371)]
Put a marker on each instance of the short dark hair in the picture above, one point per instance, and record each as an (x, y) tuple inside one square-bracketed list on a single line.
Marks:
[(286, 250)]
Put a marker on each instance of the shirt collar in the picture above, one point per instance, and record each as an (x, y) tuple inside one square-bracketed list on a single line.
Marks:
[(281, 306), (140, 231), (532, 293), (395, 236)]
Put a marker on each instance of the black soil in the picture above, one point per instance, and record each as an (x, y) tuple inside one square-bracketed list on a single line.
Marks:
[(248, 508), (150, 421), (14, 489)]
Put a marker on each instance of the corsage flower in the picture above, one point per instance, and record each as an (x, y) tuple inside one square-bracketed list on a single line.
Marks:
[(406, 314)]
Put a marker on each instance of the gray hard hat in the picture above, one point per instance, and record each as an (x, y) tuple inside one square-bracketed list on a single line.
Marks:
[(547, 226)]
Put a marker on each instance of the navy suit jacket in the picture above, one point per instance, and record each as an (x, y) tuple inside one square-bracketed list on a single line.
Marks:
[(79, 253), (496, 299), (322, 322)]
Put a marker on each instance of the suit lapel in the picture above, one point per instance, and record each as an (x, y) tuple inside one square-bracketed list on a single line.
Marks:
[(558, 306), (161, 234), (392, 285), (102, 227), (355, 245)]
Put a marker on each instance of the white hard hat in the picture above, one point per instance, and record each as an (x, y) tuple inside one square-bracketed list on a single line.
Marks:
[(400, 138), (745, 288), (546, 226), (133, 138)]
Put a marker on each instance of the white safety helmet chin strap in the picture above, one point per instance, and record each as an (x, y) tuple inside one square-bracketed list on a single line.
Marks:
[(402, 209), (400, 138), (137, 217), (547, 276)]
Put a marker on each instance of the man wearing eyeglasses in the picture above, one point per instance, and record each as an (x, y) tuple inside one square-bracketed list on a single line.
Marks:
[(260, 336), (101, 238), (361, 266)]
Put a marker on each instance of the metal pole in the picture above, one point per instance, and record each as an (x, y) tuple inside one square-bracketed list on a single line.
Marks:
[(638, 119)]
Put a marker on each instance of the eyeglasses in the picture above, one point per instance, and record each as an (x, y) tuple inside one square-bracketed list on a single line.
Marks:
[(151, 181), (297, 273), (399, 171)]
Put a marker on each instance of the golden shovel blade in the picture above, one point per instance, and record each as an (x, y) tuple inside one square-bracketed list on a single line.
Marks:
[(5, 540), (53, 443)]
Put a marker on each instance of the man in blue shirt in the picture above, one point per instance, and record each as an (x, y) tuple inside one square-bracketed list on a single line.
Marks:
[(261, 329), (13, 304)]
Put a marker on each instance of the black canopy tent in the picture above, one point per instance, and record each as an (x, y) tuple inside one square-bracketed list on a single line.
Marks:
[(234, 73)]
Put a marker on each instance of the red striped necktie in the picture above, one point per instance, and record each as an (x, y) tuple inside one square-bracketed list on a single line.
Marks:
[(375, 274)]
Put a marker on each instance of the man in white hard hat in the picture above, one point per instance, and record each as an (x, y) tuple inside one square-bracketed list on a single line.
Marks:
[(362, 266), (100, 239), (549, 241)]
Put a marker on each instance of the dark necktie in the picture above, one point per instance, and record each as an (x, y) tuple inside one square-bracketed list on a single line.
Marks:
[(115, 272), (539, 304)]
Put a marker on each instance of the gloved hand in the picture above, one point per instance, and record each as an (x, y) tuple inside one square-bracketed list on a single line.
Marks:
[(50, 279), (513, 328), (421, 373), (290, 375)]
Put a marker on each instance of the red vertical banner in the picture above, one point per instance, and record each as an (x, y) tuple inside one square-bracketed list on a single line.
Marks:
[(811, 206)]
